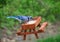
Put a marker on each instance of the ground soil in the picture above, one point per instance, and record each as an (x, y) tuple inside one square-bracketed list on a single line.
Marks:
[(51, 30)]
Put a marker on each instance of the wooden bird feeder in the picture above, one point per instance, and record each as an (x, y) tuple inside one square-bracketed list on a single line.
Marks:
[(30, 27)]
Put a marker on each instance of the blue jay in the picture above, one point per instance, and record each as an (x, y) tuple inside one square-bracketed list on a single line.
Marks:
[(21, 18)]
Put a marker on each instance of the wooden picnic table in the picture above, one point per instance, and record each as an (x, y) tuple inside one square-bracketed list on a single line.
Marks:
[(31, 26)]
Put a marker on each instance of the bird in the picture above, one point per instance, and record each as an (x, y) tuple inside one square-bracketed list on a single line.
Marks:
[(21, 18)]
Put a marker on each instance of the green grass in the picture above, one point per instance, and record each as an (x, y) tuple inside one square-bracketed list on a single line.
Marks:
[(50, 39)]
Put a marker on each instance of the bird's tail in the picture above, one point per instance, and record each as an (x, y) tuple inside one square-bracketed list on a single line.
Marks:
[(14, 17)]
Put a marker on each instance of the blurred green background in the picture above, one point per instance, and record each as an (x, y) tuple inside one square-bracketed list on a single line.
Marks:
[(49, 10)]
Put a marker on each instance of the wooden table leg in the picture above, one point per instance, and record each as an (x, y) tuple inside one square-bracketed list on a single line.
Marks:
[(35, 33), (24, 35)]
